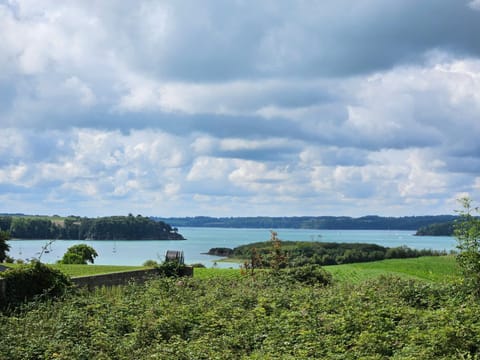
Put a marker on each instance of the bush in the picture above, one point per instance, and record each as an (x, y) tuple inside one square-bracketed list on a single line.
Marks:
[(150, 263), (308, 274), (28, 281), (171, 269), (198, 265), (79, 254)]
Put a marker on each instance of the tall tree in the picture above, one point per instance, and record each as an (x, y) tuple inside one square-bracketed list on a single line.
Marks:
[(467, 232)]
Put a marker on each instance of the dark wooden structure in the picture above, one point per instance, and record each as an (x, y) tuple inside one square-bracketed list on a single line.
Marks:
[(175, 255)]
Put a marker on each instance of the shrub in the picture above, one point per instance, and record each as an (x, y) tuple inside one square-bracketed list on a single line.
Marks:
[(79, 254), (308, 274), (28, 281), (171, 268), (198, 265), (150, 263)]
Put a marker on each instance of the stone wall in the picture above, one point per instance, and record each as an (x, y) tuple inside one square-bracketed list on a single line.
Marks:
[(120, 278), (112, 279)]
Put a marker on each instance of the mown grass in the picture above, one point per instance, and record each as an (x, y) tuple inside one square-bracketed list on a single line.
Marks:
[(430, 268)]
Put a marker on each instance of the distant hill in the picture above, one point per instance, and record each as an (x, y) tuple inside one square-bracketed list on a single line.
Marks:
[(82, 228), (312, 222)]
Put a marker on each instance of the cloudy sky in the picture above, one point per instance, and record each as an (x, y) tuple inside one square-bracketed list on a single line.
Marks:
[(239, 107)]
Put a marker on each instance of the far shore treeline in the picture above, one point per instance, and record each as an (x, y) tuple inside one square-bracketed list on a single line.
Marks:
[(312, 222), (82, 228)]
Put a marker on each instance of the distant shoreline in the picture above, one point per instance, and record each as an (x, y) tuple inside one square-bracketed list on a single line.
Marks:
[(311, 222)]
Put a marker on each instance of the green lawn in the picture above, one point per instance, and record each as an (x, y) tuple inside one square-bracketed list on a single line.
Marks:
[(207, 273), (430, 268), (84, 270)]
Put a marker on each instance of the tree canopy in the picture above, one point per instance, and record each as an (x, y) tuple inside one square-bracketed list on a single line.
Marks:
[(4, 247), (79, 254)]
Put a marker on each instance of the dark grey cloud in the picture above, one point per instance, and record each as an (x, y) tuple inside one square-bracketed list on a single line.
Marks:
[(290, 38)]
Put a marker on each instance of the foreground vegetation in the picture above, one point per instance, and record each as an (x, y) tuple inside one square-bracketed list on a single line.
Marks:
[(259, 317), (427, 311), (221, 314)]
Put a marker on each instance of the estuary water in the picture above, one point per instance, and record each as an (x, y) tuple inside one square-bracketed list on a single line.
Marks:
[(200, 240)]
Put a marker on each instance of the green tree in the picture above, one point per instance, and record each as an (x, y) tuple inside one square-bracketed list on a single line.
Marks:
[(79, 254), (4, 247), (467, 232)]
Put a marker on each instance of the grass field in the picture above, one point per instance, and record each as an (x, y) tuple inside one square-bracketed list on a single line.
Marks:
[(430, 268), (206, 273), (85, 270)]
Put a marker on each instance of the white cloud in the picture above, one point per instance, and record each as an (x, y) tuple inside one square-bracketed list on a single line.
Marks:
[(474, 4), (111, 105)]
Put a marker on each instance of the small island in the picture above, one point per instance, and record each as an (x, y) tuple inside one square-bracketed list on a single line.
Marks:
[(300, 253), (82, 228), (437, 229)]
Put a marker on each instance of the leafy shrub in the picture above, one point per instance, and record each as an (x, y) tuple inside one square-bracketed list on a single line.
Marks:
[(308, 274), (247, 318), (27, 281), (150, 263), (79, 254), (198, 265), (171, 268)]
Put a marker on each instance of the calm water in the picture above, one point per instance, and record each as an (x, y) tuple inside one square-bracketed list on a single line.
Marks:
[(200, 240)]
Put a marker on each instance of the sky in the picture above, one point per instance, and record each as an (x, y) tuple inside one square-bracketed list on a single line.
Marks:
[(239, 107)]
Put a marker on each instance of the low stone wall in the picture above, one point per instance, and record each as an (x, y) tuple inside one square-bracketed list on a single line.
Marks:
[(120, 278), (112, 279)]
